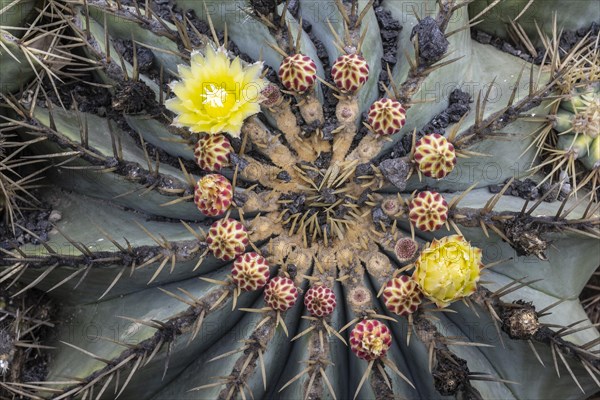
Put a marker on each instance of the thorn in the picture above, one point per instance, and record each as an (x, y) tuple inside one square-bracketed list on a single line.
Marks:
[(489, 206), (88, 353), (107, 43), (490, 378), (363, 13), (167, 358), (570, 370), (150, 323), (394, 368), (211, 25), (295, 378), (113, 283), (342, 9)]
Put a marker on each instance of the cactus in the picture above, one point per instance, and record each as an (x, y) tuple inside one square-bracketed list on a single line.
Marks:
[(254, 200), (505, 18), (578, 121), (569, 141)]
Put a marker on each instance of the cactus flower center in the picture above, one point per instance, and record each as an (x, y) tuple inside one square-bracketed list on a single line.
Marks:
[(372, 344), (214, 96)]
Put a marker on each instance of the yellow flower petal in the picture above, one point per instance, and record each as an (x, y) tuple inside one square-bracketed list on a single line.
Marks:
[(216, 94), (448, 270)]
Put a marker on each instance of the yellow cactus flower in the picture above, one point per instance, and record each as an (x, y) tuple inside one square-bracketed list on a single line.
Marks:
[(216, 94), (448, 269)]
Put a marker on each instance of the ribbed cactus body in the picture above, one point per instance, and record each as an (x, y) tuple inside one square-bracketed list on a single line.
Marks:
[(252, 201)]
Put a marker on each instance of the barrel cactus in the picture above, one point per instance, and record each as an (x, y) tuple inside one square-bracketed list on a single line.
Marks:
[(300, 199)]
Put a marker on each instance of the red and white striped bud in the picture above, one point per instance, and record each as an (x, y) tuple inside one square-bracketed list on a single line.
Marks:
[(350, 72), (320, 301), (435, 156), (428, 211), (402, 295), (280, 293), (227, 239), (213, 195), (386, 117), (298, 73), (370, 339), (212, 152), (250, 271)]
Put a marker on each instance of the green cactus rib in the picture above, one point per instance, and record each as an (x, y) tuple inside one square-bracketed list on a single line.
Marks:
[(262, 359), (28, 45), (149, 342), (531, 16), (540, 339), (70, 135), (119, 72), (102, 265), (325, 17), (313, 348), (15, 188), (438, 345), (148, 121), (14, 14), (123, 172), (147, 311), (13, 60), (147, 31), (159, 136)]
